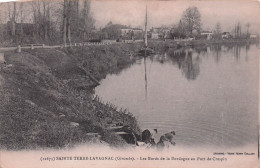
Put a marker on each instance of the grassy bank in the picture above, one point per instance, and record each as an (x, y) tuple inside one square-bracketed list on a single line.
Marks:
[(44, 92)]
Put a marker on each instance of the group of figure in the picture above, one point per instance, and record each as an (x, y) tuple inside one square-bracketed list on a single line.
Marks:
[(147, 138), (166, 140)]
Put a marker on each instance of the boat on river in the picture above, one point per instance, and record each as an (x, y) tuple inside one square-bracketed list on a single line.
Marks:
[(145, 50)]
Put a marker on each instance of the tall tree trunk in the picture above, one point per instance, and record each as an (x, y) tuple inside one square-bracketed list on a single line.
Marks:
[(48, 21), (21, 13), (69, 12), (64, 24), (69, 32), (45, 20), (77, 6), (65, 31), (13, 20), (86, 7), (38, 7)]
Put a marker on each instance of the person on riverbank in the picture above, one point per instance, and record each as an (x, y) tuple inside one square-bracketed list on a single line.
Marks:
[(166, 141), (148, 136), (169, 137), (160, 145), (131, 137)]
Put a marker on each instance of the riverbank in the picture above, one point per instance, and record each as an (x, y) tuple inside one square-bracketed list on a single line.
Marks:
[(46, 96)]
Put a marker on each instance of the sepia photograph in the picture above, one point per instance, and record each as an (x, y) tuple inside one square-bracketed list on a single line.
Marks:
[(129, 84)]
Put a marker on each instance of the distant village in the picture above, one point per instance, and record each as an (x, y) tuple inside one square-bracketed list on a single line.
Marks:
[(121, 32)]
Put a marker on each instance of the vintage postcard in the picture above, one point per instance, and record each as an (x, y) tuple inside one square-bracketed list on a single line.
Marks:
[(127, 83)]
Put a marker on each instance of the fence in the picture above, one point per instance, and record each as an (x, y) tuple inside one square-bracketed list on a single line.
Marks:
[(34, 46)]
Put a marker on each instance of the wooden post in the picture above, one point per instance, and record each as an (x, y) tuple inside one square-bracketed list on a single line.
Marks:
[(19, 48), (2, 59)]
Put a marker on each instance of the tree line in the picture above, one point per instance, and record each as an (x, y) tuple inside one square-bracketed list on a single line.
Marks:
[(46, 21), (190, 26)]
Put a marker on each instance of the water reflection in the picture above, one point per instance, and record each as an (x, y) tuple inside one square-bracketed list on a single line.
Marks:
[(247, 49), (217, 49), (237, 50), (188, 60), (206, 95), (145, 77)]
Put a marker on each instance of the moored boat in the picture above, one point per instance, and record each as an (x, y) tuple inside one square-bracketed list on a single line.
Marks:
[(146, 51)]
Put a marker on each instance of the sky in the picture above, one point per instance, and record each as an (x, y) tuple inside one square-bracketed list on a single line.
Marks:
[(169, 12)]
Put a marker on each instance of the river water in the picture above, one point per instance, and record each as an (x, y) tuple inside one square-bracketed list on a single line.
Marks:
[(207, 95)]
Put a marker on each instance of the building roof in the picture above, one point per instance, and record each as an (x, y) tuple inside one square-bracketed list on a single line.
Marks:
[(126, 28), (137, 29), (224, 33), (208, 32)]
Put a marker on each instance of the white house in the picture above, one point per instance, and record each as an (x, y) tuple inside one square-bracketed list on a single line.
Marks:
[(125, 31), (253, 36), (206, 34), (226, 35), (160, 32), (154, 35)]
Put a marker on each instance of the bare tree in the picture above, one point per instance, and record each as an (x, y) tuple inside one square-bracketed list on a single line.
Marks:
[(36, 8), (77, 21), (77, 12), (1, 4), (67, 17), (247, 29), (21, 18), (87, 21), (238, 30), (73, 18), (1, 21), (69, 10), (65, 22), (85, 13), (13, 18), (42, 19), (179, 30), (217, 31), (192, 19)]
